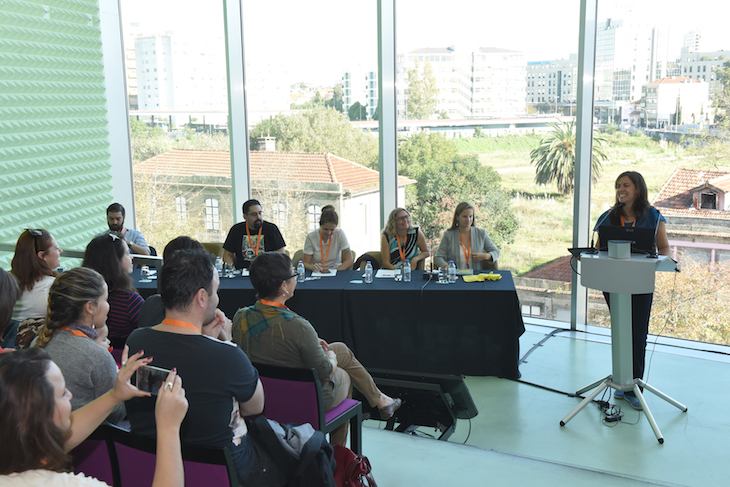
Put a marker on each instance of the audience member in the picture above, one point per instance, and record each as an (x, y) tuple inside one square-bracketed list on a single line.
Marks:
[(401, 241), (134, 239), (271, 333), (108, 255), (9, 294), (221, 384), (327, 248), (38, 428), (248, 239), (36, 257), (77, 307)]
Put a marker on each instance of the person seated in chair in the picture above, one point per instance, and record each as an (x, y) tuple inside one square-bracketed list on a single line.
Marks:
[(324, 248), (401, 241), (270, 333), (466, 244)]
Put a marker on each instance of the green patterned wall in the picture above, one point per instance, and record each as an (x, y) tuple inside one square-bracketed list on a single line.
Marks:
[(54, 150)]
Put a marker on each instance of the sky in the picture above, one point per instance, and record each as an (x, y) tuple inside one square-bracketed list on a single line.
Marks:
[(318, 40)]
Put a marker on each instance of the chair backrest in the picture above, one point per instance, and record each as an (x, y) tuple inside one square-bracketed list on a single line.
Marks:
[(292, 395), (215, 248), (92, 457), (375, 254), (490, 266), (298, 255), (344, 255), (135, 458)]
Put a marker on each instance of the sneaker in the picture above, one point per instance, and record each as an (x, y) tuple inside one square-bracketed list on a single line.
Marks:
[(630, 398)]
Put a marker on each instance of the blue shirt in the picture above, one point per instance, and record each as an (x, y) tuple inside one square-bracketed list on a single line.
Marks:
[(134, 236)]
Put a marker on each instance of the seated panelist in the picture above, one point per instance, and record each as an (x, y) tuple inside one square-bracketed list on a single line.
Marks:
[(323, 248), (272, 334), (400, 241), (468, 246)]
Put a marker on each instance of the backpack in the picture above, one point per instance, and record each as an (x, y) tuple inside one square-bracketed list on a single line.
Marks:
[(301, 452)]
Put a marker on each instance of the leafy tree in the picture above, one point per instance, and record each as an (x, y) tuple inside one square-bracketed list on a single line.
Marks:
[(320, 130), (336, 100), (554, 157), (722, 96), (422, 92), (444, 179), (357, 112)]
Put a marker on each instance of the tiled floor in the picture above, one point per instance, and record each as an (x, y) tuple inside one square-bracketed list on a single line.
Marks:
[(517, 440)]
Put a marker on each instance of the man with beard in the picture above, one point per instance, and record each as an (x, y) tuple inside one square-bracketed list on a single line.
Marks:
[(221, 385), (133, 238), (248, 239)]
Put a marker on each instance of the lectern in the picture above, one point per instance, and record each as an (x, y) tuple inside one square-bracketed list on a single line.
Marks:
[(622, 277)]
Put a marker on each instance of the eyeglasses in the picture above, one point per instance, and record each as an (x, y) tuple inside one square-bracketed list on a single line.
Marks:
[(35, 234), (403, 218)]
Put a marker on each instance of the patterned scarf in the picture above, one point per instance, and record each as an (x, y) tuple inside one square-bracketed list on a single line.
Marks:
[(255, 319)]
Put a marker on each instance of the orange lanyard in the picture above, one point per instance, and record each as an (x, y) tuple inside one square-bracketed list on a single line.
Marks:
[(75, 332), (181, 324), (623, 224), (321, 249), (467, 256), (258, 242), (272, 303), (401, 250)]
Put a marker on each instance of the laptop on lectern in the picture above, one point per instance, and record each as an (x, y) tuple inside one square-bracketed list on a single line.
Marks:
[(642, 238)]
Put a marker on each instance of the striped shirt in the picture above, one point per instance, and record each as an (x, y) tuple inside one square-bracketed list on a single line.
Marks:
[(123, 315)]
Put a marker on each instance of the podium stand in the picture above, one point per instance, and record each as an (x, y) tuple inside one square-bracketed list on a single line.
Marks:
[(622, 278)]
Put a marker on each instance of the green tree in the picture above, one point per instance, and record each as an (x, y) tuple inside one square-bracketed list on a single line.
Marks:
[(444, 179), (320, 130), (722, 97), (357, 112), (554, 157), (336, 100), (422, 92)]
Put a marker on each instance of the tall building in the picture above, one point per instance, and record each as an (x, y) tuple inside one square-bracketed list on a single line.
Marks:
[(702, 65), (356, 89), (487, 82), (674, 101), (692, 41), (552, 82)]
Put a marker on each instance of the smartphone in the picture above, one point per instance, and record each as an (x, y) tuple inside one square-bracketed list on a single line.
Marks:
[(150, 378)]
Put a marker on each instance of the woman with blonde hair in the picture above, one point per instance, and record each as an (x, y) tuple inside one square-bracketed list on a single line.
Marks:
[(466, 244), (77, 307), (401, 241), (323, 248)]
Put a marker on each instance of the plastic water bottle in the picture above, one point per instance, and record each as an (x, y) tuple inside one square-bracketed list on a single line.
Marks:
[(407, 271), (219, 266), (368, 273), (452, 272), (300, 271)]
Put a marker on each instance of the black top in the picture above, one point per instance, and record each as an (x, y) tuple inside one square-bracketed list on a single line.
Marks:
[(237, 242)]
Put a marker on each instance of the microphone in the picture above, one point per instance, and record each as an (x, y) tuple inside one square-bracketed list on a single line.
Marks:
[(433, 256), (601, 220)]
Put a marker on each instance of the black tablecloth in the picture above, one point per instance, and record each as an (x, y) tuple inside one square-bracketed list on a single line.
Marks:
[(419, 326)]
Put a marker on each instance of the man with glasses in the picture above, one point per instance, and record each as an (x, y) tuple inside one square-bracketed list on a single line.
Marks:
[(133, 238), (253, 236)]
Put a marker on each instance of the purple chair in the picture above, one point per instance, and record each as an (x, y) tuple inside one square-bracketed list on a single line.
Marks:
[(92, 458), (295, 396), (134, 461)]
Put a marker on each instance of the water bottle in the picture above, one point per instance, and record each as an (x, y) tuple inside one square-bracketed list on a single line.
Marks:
[(300, 271), (219, 266), (368, 273), (452, 272), (407, 271)]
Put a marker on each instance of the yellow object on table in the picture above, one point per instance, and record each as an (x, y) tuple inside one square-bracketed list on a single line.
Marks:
[(482, 277)]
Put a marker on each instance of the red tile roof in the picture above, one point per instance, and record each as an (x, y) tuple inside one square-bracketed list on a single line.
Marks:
[(555, 270), (290, 166), (675, 197), (674, 79)]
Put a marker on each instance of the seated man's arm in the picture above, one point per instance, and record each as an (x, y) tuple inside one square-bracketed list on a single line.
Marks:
[(229, 256), (281, 250), (255, 405), (138, 244)]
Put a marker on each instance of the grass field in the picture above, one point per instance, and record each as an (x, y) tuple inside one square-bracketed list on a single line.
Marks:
[(546, 217)]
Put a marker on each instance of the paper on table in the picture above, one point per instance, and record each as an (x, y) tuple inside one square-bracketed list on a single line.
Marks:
[(387, 273), (331, 273), (244, 272)]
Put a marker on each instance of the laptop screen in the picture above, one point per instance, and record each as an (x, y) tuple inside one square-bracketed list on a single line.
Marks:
[(641, 238)]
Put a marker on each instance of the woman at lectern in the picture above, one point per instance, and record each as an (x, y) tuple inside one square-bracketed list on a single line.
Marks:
[(272, 334), (467, 245), (632, 209)]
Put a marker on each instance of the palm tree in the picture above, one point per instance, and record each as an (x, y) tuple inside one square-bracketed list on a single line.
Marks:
[(554, 157)]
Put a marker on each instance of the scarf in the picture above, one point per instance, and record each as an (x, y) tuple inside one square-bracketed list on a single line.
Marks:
[(257, 318)]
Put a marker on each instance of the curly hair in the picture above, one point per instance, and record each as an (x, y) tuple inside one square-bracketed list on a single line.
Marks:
[(26, 266), (458, 211), (30, 438), (66, 300), (268, 271), (104, 254), (389, 229)]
